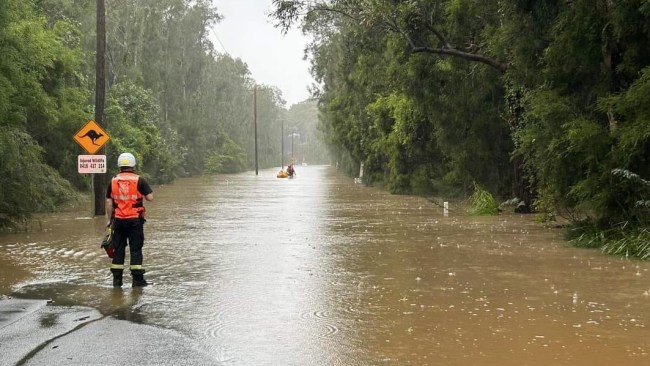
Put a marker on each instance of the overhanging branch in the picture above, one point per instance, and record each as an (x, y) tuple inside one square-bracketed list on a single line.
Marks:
[(500, 66)]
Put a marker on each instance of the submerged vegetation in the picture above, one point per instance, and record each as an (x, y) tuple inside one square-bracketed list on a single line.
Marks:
[(622, 240), (631, 235), (482, 202)]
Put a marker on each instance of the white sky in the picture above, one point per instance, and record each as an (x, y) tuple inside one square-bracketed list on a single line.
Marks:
[(246, 32)]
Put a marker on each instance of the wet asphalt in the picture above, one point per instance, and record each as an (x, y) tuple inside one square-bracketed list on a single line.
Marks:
[(34, 332)]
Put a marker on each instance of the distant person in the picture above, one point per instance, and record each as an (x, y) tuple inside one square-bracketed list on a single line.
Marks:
[(290, 170), (125, 209)]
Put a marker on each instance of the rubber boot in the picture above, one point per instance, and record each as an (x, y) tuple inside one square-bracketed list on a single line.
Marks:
[(138, 278), (117, 277)]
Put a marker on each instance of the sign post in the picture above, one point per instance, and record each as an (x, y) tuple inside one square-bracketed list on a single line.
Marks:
[(99, 181)]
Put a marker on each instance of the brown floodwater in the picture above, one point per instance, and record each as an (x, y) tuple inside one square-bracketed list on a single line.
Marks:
[(318, 270)]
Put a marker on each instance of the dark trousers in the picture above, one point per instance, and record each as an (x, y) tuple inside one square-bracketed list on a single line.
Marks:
[(128, 232)]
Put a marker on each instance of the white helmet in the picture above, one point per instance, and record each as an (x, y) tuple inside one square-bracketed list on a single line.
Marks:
[(126, 159)]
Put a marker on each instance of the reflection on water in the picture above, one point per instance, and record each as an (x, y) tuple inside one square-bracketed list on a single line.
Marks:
[(319, 270)]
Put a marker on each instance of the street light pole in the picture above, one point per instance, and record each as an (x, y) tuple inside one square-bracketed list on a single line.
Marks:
[(255, 119)]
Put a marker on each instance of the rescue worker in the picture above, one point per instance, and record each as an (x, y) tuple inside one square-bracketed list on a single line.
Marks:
[(125, 209)]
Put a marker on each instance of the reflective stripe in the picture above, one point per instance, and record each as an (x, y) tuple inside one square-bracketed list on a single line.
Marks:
[(124, 176), (124, 197), (136, 266), (117, 266)]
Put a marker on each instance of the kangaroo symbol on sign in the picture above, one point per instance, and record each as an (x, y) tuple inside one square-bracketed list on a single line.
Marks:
[(92, 135)]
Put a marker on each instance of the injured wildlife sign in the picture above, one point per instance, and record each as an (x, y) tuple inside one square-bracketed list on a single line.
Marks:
[(91, 164)]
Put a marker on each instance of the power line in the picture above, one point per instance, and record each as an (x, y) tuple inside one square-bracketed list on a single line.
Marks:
[(220, 43)]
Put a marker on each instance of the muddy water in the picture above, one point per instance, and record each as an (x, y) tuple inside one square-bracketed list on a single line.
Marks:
[(320, 271)]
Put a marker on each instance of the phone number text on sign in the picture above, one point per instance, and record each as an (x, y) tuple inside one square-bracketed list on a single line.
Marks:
[(91, 164)]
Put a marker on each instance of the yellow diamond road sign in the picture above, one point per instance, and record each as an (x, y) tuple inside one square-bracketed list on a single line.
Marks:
[(91, 137)]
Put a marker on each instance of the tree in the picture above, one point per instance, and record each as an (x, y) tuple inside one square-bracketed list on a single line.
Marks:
[(37, 90), (426, 26), (391, 105)]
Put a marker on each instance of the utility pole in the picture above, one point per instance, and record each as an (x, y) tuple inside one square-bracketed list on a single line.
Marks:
[(282, 148), (255, 119), (100, 96)]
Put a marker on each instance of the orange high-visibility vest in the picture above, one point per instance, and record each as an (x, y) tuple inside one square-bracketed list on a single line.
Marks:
[(124, 192)]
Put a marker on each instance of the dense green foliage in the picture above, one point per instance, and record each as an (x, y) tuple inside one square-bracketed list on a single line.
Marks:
[(540, 102), (179, 106), (39, 81)]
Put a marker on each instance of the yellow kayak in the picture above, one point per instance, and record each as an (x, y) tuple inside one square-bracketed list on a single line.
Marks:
[(283, 174)]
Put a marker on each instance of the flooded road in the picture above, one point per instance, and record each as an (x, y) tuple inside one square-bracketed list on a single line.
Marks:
[(318, 270)]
